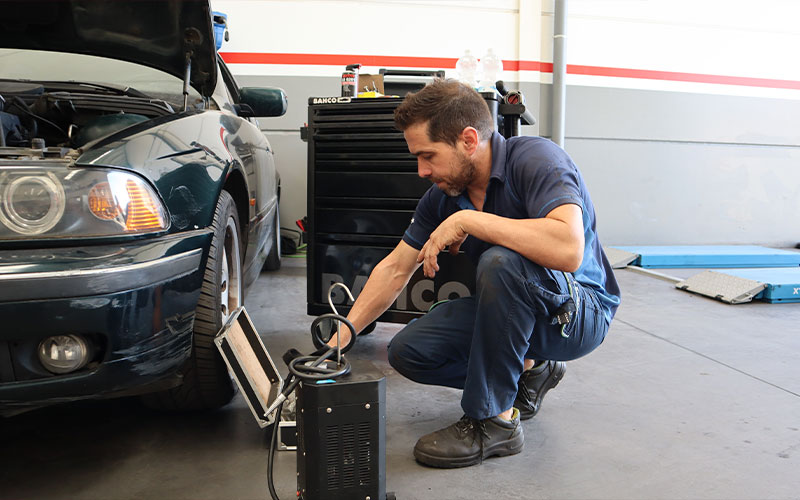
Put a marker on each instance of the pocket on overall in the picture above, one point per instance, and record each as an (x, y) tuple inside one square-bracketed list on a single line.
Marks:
[(546, 303)]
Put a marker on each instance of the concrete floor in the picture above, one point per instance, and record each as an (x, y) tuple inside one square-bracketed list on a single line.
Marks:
[(688, 398)]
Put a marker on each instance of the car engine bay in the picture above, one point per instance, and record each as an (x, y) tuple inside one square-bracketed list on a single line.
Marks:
[(69, 114)]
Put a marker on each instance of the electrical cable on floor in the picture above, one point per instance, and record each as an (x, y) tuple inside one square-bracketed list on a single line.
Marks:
[(295, 249), (271, 460), (301, 252)]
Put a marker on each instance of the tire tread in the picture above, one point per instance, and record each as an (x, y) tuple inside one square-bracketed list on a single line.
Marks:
[(206, 383)]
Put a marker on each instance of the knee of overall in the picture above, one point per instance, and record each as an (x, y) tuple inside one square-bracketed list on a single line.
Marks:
[(402, 351), (394, 352), (495, 265)]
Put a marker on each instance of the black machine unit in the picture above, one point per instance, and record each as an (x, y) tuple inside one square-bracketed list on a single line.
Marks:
[(340, 415), (341, 429), (362, 190)]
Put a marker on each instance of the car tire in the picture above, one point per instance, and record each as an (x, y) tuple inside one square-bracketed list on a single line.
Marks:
[(206, 382), (273, 262)]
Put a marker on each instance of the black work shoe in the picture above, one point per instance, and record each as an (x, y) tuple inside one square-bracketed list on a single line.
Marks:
[(533, 385), (468, 441)]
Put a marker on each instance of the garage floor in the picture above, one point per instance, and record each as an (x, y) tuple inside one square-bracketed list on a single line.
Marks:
[(688, 398)]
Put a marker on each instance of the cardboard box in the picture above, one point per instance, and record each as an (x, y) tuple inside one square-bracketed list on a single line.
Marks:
[(369, 83)]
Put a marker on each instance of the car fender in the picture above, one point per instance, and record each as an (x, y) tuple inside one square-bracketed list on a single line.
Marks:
[(187, 157)]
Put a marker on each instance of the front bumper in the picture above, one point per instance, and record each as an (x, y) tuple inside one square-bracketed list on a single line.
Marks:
[(135, 302)]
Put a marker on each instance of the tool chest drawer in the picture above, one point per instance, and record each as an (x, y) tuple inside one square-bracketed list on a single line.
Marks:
[(363, 188)]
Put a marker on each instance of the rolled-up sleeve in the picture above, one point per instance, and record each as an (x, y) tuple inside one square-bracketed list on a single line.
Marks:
[(426, 219)]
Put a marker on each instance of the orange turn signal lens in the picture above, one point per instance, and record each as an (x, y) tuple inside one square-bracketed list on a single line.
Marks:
[(143, 212), (102, 203), (127, 201)]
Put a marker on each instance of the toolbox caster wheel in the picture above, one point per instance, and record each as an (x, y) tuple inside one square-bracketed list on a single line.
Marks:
[(369, 328)]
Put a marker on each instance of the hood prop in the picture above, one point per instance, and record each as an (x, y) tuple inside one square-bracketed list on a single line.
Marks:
[(187, 77)]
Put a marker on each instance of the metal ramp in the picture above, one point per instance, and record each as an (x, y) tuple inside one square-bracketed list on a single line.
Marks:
[(619, 258), (782, 284), (722, 286)]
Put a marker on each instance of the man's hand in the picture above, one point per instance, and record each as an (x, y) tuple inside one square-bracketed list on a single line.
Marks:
[(344, 339), (450, 232)]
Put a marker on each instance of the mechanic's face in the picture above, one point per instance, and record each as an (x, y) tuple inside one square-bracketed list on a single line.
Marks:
[(449, 167)]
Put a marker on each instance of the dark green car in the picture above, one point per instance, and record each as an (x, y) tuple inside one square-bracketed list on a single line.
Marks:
[(138, 201)]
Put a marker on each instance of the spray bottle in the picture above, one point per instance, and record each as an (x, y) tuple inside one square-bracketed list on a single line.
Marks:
[(350, 81)]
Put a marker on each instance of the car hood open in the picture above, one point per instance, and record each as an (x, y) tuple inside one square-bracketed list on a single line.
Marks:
[(158, 34)]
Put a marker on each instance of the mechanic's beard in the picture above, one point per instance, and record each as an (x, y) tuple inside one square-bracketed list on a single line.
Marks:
[(463, 178)]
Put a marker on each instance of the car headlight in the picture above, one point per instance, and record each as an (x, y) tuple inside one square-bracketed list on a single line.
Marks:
[(43, 202), (32, 204)]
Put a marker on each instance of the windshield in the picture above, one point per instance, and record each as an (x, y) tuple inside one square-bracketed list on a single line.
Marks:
[(64, 67)]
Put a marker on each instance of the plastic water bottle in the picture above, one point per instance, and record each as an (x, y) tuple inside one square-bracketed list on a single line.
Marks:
[(467, 69), (491, 67)]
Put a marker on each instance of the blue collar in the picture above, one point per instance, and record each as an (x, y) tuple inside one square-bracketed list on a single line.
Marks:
[(463, 202), (498, 143)]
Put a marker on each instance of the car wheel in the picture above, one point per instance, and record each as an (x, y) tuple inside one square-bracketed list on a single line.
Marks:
[(206, 383), (273, 262)]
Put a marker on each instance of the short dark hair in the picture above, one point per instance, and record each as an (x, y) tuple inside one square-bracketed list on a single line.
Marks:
[(449, 107)]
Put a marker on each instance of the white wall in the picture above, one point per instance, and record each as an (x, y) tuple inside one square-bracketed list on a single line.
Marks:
[(676, 100), (722, 39), (407, 28)]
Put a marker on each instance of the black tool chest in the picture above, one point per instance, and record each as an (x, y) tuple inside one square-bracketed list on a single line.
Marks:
[(362, 190)]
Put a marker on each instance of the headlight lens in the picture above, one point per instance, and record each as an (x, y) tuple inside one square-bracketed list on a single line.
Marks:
[(41, 202), (32, 204)]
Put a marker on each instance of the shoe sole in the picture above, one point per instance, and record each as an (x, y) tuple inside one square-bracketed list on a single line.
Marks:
[(555, 377), (502, 449)]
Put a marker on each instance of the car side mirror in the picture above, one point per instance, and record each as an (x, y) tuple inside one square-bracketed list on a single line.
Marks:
[(263, 101)]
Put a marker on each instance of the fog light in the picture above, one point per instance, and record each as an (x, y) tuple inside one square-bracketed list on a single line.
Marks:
[(64, 353)]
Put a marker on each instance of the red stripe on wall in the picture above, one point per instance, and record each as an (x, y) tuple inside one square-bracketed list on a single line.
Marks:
[(545, 67), (527, 66), (682, 77), (338, 60)]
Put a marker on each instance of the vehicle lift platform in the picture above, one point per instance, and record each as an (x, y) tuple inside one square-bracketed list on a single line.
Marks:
[(742, 272), (711, 256)]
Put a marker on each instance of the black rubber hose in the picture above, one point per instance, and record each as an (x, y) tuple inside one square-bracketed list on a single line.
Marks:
[(272, 445), (320, 342), (23, 106), (314, 372)]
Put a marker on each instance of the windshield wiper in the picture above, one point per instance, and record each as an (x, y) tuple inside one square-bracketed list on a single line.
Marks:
[(117, 89)]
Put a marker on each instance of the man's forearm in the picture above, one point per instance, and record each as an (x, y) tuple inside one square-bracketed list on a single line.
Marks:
[(382, 288), (548, 242), (385, 283)]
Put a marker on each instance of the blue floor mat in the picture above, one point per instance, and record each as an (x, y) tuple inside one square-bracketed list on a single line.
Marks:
[(711, 257), (783, 284)]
